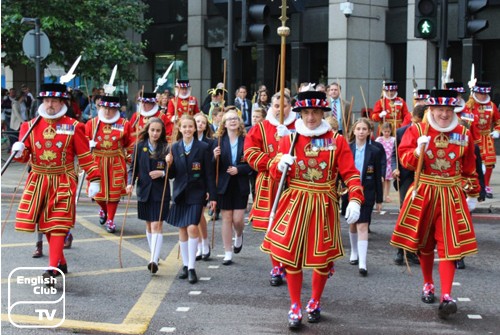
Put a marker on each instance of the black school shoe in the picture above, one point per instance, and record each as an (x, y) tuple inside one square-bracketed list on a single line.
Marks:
[(184, 273)]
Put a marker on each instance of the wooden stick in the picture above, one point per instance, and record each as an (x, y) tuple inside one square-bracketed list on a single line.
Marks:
[(364, 100), (214, 213), (347, 124), (11, 157), (420, 159)]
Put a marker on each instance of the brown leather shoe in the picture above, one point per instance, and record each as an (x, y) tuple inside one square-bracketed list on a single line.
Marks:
[(39, 250)]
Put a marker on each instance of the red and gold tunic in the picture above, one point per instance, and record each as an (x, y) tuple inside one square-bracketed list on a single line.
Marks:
[(397, 113), (488, 119), (49, 195), (261, 146), (178, 107), (137, 126), (306, 232), (439, 213), (114, 143)]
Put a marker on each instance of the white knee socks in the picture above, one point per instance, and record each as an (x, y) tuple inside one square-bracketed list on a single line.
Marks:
[(353, 237), (184, 252), (192, 246), (363, 250), (156, 243)]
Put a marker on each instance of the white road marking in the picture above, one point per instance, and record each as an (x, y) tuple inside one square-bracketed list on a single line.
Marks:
[(205, 278), (463, 299), (456, 283), (182, 309), (213, 266), (194, 292), (167, 329), (474, 316)]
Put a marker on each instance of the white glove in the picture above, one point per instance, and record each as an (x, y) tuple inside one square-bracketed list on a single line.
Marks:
[(282, 130), (495, 134), (352, 212), (471, 203), (483, 167), (422, 140), (383, 114), (94, 188), (92, 144), (19, 147), (287, 159)]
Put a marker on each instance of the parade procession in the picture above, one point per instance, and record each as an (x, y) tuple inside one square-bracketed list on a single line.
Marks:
[(196, 193)]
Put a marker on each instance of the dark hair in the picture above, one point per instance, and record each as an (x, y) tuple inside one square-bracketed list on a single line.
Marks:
[(418, 112), (162, 144)]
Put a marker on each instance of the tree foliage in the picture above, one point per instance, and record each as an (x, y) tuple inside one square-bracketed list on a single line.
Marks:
[(96, 29)]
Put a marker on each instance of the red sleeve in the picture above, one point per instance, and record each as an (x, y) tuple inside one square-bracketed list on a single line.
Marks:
[(406, 149), (377, 109), (253, 149), (348, 171), (82, 150)]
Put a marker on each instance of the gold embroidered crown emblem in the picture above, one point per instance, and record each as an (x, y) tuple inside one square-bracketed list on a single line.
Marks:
[(441, 141), (311, 151), (107, 129), (49, 133)]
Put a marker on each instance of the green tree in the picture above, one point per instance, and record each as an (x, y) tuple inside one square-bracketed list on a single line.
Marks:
[(96, 29)]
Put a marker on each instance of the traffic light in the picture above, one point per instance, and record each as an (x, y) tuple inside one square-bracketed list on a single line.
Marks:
[(258, 28), (467, 25), (426, 19)]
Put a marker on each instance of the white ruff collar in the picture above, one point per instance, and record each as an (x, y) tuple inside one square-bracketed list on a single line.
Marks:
[(151, 112), (434, 125), (102, 118), (183, 96), (320, 130), (482, 102), (287, 121), (459, 106), (385, 96), (43, 113)]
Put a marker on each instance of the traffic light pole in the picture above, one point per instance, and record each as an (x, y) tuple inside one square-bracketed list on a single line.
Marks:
[(230, 42), (443, 41)]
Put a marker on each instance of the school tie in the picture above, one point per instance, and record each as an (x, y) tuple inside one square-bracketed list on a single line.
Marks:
[(334, 109)]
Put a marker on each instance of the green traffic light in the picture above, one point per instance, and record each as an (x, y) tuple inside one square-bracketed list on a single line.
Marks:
[(426, 27)]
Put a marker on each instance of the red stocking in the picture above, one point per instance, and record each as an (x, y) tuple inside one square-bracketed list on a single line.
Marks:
[(426, 264), (294, 280), (319, 278), (103, 205), (112, 206), (446, 273), (487, 175), (56, 246)]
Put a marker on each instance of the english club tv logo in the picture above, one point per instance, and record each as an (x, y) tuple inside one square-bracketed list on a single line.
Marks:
[(35, 300)]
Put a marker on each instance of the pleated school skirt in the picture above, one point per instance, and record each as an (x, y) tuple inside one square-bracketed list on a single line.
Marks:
[(184, 215), (150, 211)]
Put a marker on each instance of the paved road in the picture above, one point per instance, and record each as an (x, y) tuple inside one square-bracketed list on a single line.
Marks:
[(101, 297)]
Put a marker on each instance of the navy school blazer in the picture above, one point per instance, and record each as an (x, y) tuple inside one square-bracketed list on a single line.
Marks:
[(225, 161), (193, 173), (147, 189)]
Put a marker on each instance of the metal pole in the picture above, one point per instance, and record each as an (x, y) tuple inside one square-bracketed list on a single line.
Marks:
[(230, 38), (443, 43), (37, 60)]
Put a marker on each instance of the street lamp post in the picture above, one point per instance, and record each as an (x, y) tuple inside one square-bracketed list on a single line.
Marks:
[(36, 22)]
